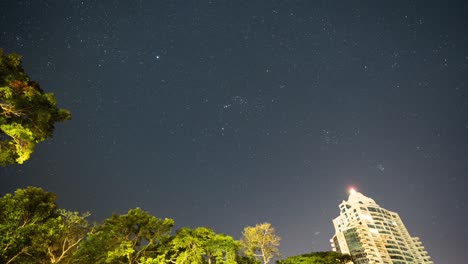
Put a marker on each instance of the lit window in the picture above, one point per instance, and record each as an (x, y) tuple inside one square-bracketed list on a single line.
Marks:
[(366, 217)]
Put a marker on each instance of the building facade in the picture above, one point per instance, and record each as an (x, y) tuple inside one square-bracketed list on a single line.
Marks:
[(374, 235)]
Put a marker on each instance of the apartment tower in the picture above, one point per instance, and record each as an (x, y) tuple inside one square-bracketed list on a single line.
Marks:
[(372, 234)]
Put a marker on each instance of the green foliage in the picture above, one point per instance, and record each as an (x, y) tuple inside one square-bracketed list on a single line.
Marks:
[(201, 245), (148, 260), (222, 248), (33, 230), (317, 258), (22, 139), (125, 239), (260, 242), (246, 260), (65, 232), (187, 245), (22, 219), (27, 114)]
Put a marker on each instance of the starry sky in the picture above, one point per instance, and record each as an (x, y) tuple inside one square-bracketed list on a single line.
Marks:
[(230, 113)]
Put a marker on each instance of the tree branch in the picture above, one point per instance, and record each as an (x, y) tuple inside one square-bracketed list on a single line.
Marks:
[(17, 255)]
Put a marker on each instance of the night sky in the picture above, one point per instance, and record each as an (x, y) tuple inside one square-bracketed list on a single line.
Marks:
[(231, 113)]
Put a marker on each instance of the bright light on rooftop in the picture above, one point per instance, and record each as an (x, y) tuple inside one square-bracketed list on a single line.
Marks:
[(352, 190)]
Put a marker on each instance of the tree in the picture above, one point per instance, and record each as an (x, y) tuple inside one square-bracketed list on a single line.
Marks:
[(318, 258), (64, 235), (260, 242), (27, 114), (201, 245), (129, 238), (33, 230), (246, 260), (187, 246), (221, 248), (22, 218)]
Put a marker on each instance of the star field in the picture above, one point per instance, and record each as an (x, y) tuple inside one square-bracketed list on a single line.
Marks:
[(231, 113)]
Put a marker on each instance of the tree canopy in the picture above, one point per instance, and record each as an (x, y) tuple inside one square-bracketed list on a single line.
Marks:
[(33, 229), (125, 238), (260, 242), (201, 245), (27, 113), (329, 257)]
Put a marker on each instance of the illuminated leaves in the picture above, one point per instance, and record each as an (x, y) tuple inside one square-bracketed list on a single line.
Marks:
[(125, 238), (201, 245), (261, 242), (27, 114), (22, 139), (33, 230), (318, 258)]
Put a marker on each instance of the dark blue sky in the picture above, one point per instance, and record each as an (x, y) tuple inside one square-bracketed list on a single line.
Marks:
[(231, 113)]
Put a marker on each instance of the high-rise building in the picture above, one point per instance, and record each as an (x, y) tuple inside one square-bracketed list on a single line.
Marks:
[(372, 234)]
